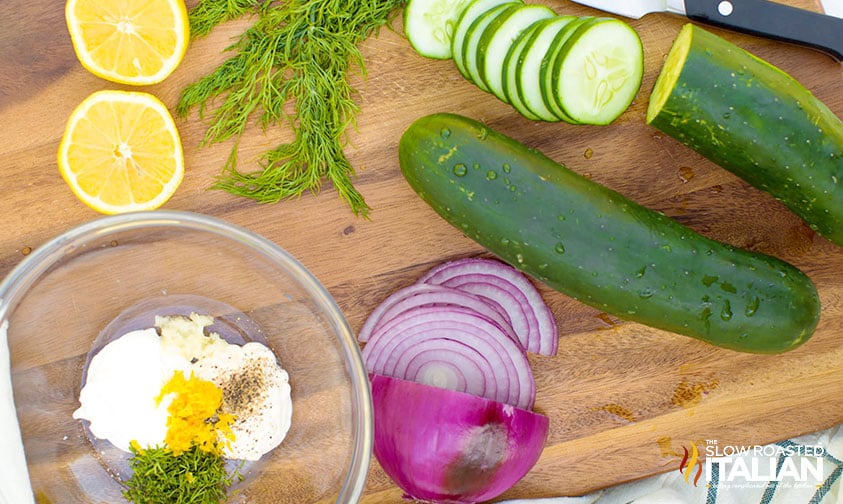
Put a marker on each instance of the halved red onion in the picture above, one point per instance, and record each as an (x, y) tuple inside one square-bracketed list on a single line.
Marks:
[(444, 446), (505, 285), (420, 294), (402, 343)]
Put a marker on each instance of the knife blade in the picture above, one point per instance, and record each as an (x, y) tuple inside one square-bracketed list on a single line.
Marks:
[(756, 17)]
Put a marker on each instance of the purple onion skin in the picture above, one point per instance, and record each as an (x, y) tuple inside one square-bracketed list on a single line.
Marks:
[(448, 447)]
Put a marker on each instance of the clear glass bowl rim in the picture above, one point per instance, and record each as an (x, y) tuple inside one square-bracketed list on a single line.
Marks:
[(18, 281)]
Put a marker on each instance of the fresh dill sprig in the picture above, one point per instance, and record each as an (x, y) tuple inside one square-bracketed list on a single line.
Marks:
[(206, 15), (299, 51)]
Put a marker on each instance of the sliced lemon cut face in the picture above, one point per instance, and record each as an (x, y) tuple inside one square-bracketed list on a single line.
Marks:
[(121, 152), (136, 42)]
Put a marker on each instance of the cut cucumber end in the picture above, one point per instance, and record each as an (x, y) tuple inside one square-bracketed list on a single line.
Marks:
[(669, 75), (600, 72), (429, 26)]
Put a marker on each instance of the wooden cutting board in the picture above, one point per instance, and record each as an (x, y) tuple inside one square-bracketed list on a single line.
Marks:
[(622, 399)]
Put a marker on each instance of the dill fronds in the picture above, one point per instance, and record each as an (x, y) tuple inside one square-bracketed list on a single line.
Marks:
[(299, 51)]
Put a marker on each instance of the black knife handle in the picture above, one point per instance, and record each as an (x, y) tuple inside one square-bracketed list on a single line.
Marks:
[(772, 20)]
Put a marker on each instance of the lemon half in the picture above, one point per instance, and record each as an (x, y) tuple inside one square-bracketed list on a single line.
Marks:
[(121, 152), (136, 42)]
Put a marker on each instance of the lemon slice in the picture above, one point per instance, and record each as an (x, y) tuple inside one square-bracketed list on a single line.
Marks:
[(121, 152), (135, 42)]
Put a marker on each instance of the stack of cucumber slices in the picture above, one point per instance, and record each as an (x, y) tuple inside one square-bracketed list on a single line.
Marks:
[(549, 67)]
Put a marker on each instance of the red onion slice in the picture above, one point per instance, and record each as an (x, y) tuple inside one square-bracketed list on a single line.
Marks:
[(541, 336), (507, 376), (424, 365), (504, 296), (448, 447), (464, 370), (420, 294)]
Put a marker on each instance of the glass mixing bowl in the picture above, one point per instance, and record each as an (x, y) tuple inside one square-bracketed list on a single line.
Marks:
[(64, 301)]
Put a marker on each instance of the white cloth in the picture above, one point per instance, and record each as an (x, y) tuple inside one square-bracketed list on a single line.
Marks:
[(14, 475), (833, 7)]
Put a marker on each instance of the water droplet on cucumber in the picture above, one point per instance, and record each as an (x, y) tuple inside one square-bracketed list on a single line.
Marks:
[(646, 293), (726, 311), (752, 307)]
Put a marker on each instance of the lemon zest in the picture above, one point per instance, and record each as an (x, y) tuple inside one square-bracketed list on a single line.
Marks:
[(194, 415)]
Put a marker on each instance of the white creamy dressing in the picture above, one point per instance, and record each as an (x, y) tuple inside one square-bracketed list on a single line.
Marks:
[(14, 476), (256, 391), (125, 378)]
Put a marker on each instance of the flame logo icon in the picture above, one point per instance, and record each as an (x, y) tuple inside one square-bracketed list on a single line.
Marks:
[(690, 461)]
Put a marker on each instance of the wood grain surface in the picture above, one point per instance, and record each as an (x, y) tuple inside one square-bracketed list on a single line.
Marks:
[(622, 399)]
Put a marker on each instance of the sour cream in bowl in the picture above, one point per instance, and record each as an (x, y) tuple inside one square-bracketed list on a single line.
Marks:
[(122, 395)]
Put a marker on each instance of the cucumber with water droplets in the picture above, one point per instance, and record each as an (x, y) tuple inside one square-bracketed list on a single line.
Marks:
[(595, 245), (756, 121)]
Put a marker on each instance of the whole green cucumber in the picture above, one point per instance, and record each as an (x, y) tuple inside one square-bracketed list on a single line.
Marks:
[(593, 244), (756, 121)]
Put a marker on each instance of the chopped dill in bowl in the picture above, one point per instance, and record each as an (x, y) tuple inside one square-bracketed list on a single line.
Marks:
[(195, 476)]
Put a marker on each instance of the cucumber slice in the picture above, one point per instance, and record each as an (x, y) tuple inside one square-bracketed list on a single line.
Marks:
[(546, 72), (510, 71), (528, 89), (499, 36), (598, 72), (429, 25), (470, 13), (472, 42)]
